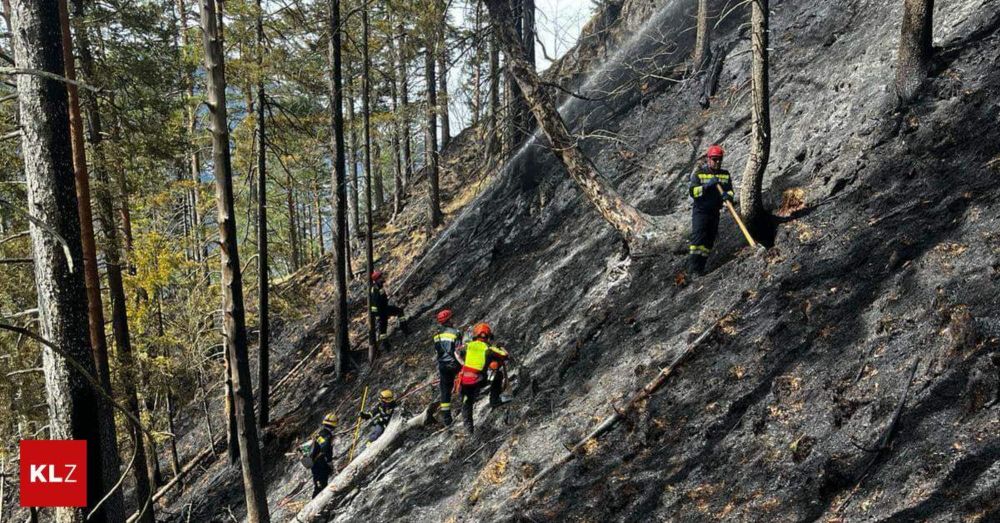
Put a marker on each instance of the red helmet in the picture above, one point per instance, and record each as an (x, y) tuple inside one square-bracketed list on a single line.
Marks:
[(482, 330), (715, 151), (444, 316), (376, 275)]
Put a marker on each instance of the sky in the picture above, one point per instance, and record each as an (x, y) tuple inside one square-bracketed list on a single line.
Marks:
[(557, 24)]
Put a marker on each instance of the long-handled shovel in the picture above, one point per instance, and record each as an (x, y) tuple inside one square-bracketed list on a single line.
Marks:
[(357, 426), (736, 216)]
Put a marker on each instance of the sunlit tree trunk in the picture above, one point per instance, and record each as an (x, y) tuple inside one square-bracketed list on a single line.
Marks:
[(702, 37), (114, 508), (59, 282), (751, 200), (234, 317), (915, 47)]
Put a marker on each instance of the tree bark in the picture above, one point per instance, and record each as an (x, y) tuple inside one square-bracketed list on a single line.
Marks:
[(518, 115), (341, 343), (365, 113), (194, 162), (293, 228), (493, 119), (404, 101), (644, 234), (430, 140), (442, 73), (397, 181), (318, 211), (264, 351), (112, 254), (477, 65), (702, 38), (114, 508), (751, 201), (232, 284), (915, 47), (352, 172), (48, 166)]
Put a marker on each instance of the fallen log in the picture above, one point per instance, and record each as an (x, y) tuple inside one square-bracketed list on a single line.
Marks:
[(611, 421), (395, 434), (193, 463)]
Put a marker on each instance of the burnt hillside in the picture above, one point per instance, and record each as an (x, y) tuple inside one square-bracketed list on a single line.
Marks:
[(887, 256)]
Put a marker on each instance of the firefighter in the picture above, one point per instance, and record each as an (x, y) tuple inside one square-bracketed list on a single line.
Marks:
[(380, 414), (478, 357), (381, 307), (707, 203), (445, 342), (321, 453)]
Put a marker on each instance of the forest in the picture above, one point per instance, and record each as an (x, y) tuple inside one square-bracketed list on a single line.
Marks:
[(231, 231)]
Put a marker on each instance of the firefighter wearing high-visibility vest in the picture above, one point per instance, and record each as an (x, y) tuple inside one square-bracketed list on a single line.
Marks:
[(477, 358), (707, 202), (445, 342)]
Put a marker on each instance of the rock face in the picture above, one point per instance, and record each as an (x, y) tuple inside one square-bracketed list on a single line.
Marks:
[(887, 252)]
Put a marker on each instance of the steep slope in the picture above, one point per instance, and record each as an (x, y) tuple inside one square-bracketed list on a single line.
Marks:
[(888, 256)]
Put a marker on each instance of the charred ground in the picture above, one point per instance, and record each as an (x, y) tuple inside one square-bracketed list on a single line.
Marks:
[(887, 254)]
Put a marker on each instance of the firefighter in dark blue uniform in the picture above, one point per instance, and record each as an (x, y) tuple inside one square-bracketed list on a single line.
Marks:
[(321, 453), (707, 203), (445, 342), (381, 308), (380, 414)]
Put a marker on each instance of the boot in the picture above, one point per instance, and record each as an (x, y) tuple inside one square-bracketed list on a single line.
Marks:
[(499, 402), (446, 418), (696, 264)]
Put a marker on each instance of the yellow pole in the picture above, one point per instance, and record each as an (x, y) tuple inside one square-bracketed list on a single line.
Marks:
[(736, 216), (357, 425)]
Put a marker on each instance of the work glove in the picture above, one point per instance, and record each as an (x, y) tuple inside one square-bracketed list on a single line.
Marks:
[(727, 197), (710, 183)]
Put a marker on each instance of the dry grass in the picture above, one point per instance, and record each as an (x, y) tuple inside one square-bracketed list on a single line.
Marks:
[(792, 201)]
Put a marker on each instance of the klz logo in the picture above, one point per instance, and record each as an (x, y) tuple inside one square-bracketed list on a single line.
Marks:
[(54, 473)]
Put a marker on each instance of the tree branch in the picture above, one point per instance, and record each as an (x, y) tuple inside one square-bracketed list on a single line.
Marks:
[(49, 76)]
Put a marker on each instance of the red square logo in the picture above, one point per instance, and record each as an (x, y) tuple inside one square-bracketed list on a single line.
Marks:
[(53, 473)]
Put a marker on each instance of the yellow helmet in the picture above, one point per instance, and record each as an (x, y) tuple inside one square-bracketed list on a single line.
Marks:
[(387, 396), (330, 420)]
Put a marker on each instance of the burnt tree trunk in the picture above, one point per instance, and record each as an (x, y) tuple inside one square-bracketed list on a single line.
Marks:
[(234, 319), (751, 200), (442, 74), (339, 193), (62, 295), (397, 156), (264, 350), (354, 218), (404, 102), (915, 47), (641, 232), (702, 38), (430, 140), (365, 116), (493, 116), (114, 508)]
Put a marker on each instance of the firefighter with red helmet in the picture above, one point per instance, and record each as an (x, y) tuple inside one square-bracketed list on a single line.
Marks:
[(447, 339), (706, 180), (381, 307), (478, 357)]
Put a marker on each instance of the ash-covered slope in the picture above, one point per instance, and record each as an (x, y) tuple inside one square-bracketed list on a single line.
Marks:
[(892, 259)]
